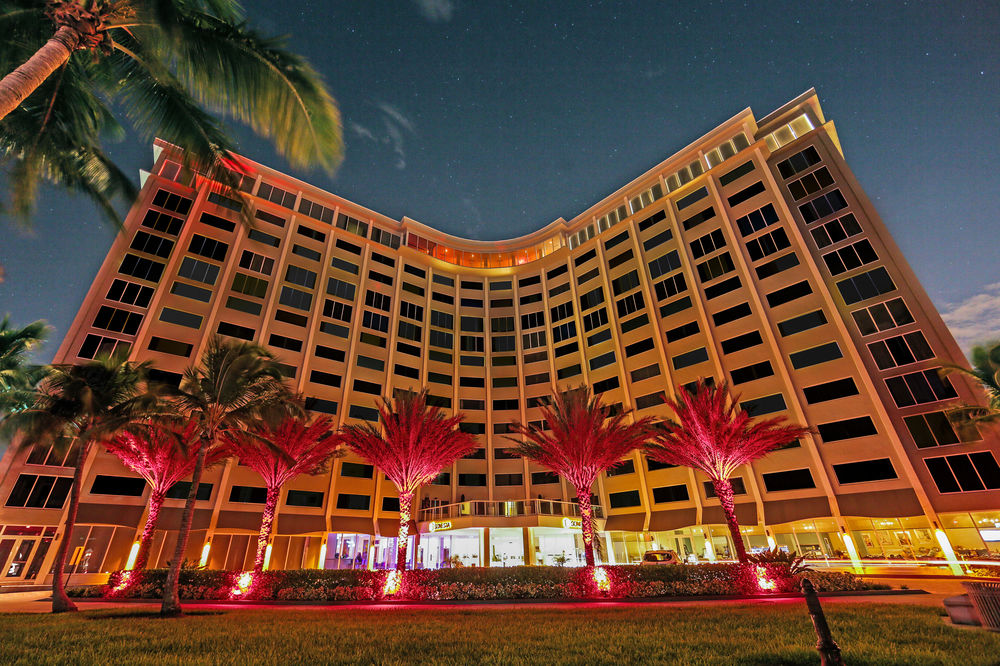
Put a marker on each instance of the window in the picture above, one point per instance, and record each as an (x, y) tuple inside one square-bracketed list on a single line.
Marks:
[(406, 371), (698, 218), (602, 360), (670, 287), (757, 220), (836, 431), (442, 319), (692, 198), (568, 348), (119, 321), (650, 400), (900, 350), (144, 269), (39, 492), (595, 319), (634, 323), (751, 372), (553, 292), (739, 487), (196, 270), (363, 413), (306, 253), (788, 294), (630, 304), (523, 300), (561, 311), (793, 479), (353, 502), (97, 344), (296, 298), (327, 379), (864, 471), (882, 316), (217, 222), (508, 479), (724, 287), (569, 371), (502, 343), (839, 388), (683, 331), (472, 479), (150, 244), (715, 267), (182, 489), (564, 331), (917, 388), (645, 373), (746, 193), (270, 218), (411, 310), (471, 343), (208, 248), (261, 237), (172, 202), (798, 162), (850, 257), (737, 173), (369, 362), (501, 324), (778, 265), (190, 291), (764, 405), (692, 357), (234, 331), (533, 340), (802, 323), (965, 473), (544, 478), (822, 206), (811, 183), (304, 498), (625, 282), (532, 320), (441, 339), (815, 355), (740, 342), (638, 347), (708, 243), (591, 299), (249, 285), (126, 486), (620, 259), (162, 222), (409, 331), (442, 298), (180, 318), (934, 429), (472, 324), (354, 226), (624, 499), (165, 346), (413, 289), (657, 240), (665, 264), (835, 231), (248, 494), (583, 278), (767, 244), (330, 353), (130, 293), (348, 267)]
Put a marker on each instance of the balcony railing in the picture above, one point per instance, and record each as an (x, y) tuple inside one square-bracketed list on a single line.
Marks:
[(535, 507)]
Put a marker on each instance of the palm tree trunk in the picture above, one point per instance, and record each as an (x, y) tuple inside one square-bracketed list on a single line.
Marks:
[(586, 523), (19, 84), (266, 525), (171, 598), (724, 491), (146, 540), (405, 505), (60, 600)]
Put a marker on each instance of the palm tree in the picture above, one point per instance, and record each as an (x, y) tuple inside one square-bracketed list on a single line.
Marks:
[(78, 406), (279, 452), (233, 385), (414, 443), (162, 452), (18, 378), (166, 65), (985, 371), (714, 434), (581, 438)]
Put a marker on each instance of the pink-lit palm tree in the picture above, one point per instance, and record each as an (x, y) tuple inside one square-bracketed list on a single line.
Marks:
[(714, 434), (414, 443), (580, 439), (279, 453), (163, 453)]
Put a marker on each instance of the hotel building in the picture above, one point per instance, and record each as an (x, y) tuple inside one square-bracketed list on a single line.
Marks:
[(751, 256)]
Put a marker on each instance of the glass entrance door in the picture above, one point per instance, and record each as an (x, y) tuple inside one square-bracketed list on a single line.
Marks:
[(14, 555)]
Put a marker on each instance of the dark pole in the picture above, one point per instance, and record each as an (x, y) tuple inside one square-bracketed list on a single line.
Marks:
[(829, 651)]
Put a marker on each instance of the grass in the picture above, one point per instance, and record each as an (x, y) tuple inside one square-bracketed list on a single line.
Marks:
[(733, 634)]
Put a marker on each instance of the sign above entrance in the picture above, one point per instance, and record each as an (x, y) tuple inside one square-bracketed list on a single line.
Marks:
[(572, 523), (439, 525)]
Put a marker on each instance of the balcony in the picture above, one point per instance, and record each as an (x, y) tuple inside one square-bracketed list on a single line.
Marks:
[(505, 509)]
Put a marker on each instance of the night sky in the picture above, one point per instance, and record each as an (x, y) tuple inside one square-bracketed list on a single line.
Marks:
[(489, 120)]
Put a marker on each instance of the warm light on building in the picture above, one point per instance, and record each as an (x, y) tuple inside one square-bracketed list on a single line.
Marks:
[(132, 554)]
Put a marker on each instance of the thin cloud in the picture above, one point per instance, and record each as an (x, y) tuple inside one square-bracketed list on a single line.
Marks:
[(396, 128), (436, 11), (976, 319)]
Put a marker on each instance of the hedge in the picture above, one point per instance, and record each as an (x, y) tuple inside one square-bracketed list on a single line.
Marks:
[(536, 582)]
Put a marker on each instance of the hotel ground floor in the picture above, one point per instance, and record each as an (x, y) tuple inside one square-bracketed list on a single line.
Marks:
[(464, 538)]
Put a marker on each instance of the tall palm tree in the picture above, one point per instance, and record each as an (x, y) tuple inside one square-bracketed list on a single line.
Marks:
[(712, 433), (18, 377), (411, 446), (985, 371), (581, 438), (166, 65), (162, 452), (233, 384), (279, 452), (79, 406)]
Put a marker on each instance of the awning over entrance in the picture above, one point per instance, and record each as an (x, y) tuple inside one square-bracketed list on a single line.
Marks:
[(786, 511), (389, 527), (626, 522), (746, 514), (881, 504), (297, 523), (660, 521), (109, 514), (352, 525)]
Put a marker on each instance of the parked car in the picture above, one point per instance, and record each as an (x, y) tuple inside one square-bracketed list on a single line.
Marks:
[(660, 557)]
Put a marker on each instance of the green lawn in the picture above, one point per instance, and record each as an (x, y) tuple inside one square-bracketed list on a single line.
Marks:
[(740, 634)]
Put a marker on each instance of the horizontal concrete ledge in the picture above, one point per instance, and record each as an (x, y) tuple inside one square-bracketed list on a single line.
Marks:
[(501, 602), (14, 597)]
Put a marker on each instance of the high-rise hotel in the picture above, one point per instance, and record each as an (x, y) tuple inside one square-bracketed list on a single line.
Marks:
[(751, 256)]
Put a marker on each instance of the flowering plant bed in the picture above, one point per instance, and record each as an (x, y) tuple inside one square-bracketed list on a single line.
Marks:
[(618, 582)]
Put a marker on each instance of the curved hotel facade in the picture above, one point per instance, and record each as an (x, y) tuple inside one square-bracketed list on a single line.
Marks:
[(751, 256)]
